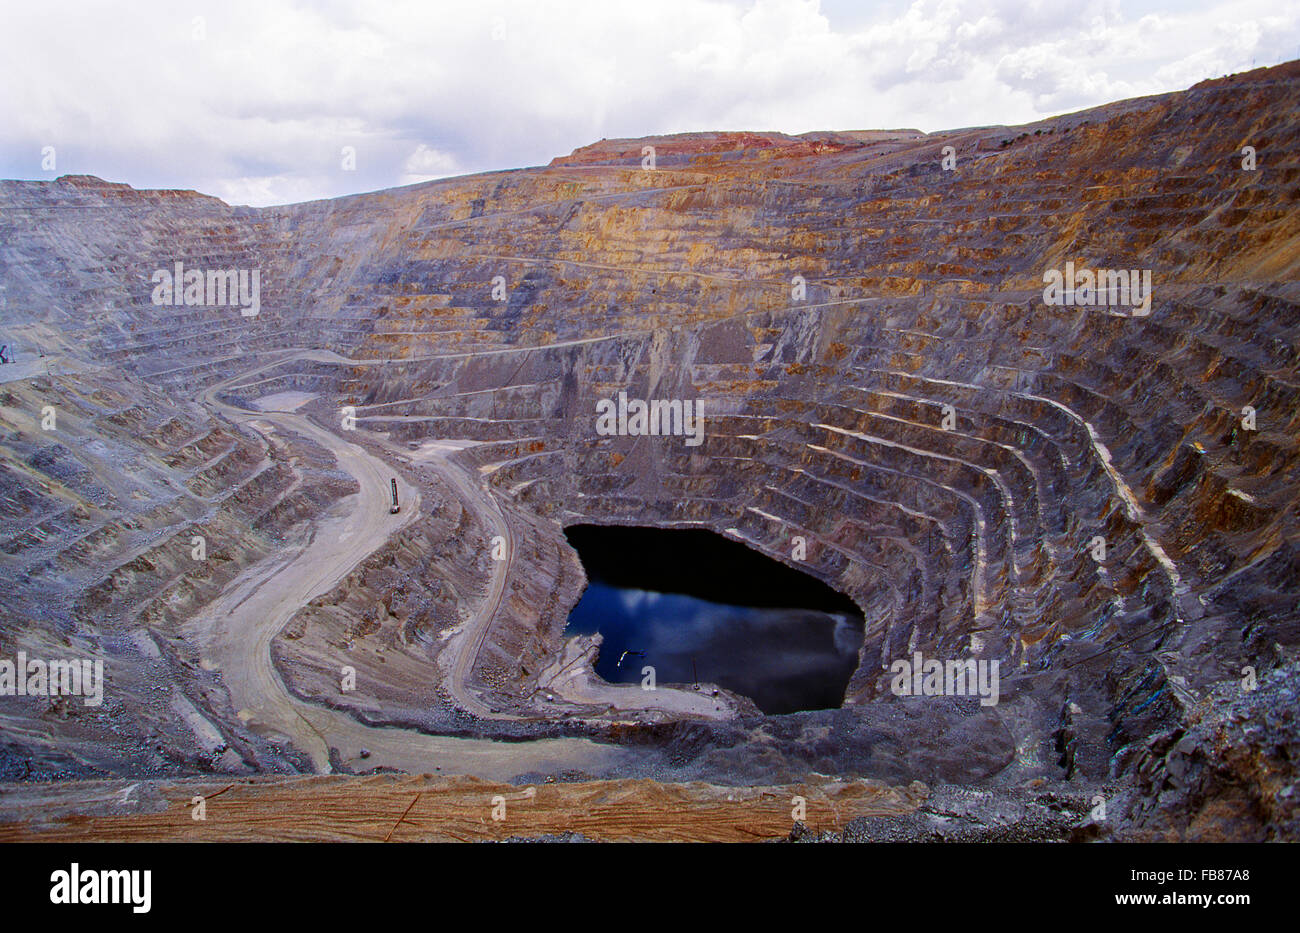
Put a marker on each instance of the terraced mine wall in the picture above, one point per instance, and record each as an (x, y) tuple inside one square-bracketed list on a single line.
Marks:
[(1104, 502)]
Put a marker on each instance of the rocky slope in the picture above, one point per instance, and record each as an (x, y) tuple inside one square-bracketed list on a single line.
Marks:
[(881, 377)]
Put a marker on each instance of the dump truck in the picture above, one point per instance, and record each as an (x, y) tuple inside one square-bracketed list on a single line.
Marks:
[(395, 507)]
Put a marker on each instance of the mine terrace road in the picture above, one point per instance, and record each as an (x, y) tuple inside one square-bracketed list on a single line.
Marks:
[(236, 629)]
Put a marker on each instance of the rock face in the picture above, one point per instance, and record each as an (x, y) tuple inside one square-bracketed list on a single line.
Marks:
[(1102, 501)]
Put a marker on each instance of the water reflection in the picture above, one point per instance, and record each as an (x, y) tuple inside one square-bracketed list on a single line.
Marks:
[(783, 659)]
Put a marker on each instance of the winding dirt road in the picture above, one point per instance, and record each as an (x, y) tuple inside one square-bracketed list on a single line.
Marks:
[(466, 645), (235, 631)]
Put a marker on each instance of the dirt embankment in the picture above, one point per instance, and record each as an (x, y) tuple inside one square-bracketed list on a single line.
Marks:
[(421, 808)]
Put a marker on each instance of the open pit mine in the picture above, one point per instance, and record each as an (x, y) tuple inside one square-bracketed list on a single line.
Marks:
[(296, 503)]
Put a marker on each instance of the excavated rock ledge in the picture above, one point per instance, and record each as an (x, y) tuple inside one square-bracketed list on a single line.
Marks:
[(881, 376)]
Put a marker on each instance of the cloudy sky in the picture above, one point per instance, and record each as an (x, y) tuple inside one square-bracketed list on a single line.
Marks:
[(255, 101)]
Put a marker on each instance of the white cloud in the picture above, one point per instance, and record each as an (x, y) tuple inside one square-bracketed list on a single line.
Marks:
[(261, 107), (268, 189), (427, 164)]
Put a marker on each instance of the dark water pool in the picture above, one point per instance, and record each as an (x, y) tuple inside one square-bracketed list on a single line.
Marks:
[(697, 606)]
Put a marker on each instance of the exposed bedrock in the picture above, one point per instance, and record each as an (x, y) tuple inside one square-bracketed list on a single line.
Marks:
[(1103, 502)]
